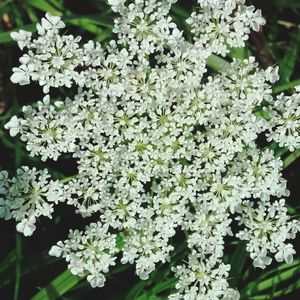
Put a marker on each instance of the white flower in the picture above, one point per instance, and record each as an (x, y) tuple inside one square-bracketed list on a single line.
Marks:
[(26, 198), (285, 121), (231, 294), (96, 280), (202, 279), (13, 126), (20, 75), (262, 261), (92, 251), (285, 253), (267, 228), (55, 251), (115, 2), (50, 24), (255, 18), (23, 38), (27, 226)]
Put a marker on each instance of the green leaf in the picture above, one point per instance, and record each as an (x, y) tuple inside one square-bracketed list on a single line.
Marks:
[(57, 3), (239, 53), (287, 290), (165, 285), (288, 63), (270, 281), (217, 63), (43, 5), (85, 24), (237, 263), (5, 37), (93, 24), (58, 287), (120, 241), (148, 296), (259, 112), (99, 20), (136, 290), (4, 3)]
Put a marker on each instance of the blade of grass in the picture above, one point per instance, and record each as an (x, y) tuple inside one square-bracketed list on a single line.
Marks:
[(283, 292), (58, 286), (165, 285), (17, 16), (85, 24), (43, 5), (280, 268), (287, 290), (136, 290), (291, 158), (58, 4), (91, 19), (259, 285), (147, 296)]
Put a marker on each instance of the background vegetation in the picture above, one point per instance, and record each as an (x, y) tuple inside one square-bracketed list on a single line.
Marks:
[(26, 270)]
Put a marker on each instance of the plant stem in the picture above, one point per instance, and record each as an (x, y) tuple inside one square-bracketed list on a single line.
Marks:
[(291, 158), (286, 86), (217, 63), (18, 265)]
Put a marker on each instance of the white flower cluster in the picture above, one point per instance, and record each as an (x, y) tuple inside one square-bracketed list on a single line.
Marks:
[(286, 120), (221, 24), (161, 146), (203, 279), (51, 59), (27, 196), (267, 227), (90, 252)]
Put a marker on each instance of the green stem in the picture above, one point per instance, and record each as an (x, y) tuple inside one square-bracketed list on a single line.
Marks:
[(291, 158), (18, 265), (217, 63), (67, 179), (286, 86)]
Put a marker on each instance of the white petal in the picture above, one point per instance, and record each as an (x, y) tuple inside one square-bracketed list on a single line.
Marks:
[(279, 256), (20, 77), (55, 251), (114, 2)]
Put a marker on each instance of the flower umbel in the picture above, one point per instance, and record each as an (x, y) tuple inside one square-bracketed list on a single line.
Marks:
[(161, 146)]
